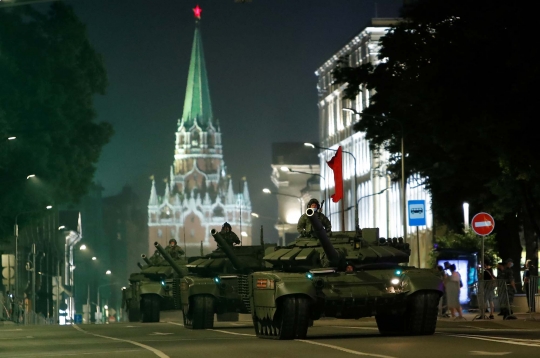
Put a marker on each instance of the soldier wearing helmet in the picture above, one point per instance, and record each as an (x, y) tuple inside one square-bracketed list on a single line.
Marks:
[(228, 235), (174, 250), (304, 224)]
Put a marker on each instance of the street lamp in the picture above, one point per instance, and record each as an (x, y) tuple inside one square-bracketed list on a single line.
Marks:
[(30, 176), (287, 169), (403, 187), (16, 232), (83, 247), (268, 191), (108, 272), (355, 183)]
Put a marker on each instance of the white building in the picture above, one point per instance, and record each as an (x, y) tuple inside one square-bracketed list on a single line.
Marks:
[(379, 197)]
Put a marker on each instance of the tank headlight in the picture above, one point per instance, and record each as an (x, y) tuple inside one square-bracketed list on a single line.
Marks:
[(309, 275), (217, 280), (163, 283), (394, 281), (398, 272)]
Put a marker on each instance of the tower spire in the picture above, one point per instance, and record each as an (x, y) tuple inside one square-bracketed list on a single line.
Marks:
[(197, 104)]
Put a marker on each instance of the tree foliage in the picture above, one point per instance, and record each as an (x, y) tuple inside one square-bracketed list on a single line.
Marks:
[(49, 75), (461, 79)]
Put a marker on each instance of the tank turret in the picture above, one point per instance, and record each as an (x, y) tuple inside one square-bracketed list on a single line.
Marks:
[(169, 259)]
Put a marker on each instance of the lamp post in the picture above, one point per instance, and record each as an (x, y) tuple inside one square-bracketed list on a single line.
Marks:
[(355, 184), (98, 296), (16, 232), (268, 191), (287, 169), (403, 186)]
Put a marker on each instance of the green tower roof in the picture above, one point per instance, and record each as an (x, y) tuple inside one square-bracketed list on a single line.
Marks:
[(197, 105)]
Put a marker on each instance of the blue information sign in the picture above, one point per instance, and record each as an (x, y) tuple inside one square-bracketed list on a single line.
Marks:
[(417, 212)]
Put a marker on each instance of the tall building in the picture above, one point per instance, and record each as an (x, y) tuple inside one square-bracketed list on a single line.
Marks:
[(199, 195), (378, 196)]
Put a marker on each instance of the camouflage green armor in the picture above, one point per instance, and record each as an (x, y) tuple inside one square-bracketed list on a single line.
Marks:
[(353, 274)]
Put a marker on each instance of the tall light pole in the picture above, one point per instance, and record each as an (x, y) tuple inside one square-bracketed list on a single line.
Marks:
[(16, 234), (403, 185), (287, 169), (355, 184), (268, 191)]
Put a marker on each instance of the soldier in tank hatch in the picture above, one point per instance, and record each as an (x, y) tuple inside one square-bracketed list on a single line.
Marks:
[(304, 224), (228, 235), (174, 250)]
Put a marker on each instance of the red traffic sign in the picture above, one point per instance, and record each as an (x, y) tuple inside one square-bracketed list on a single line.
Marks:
[(483, 224)]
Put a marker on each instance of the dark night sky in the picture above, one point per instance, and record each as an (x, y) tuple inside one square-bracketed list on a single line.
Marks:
[(261, 58)]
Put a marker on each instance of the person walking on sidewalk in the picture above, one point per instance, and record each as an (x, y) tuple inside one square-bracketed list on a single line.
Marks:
[(489, 288), (528, 287), (452, 286), (508, 277)]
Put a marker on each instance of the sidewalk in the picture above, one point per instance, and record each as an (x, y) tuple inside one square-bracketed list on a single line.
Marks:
[(474, 316)]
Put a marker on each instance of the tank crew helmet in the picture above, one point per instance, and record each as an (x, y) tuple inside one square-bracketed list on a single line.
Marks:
[(226, 225), (313, 201), (173, 240)]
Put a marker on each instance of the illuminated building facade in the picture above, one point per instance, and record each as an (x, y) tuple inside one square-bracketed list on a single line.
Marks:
[(378, 196)]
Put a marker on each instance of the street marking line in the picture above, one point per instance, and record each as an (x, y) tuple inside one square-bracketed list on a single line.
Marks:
[(346, 350), (151, 349), (484, 353), (159, 334), (234, 333), (366, 328), (498, 340), (74, 354), (178, 324)]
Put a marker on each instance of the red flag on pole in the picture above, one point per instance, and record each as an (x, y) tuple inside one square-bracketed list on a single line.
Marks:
[(336, 164)]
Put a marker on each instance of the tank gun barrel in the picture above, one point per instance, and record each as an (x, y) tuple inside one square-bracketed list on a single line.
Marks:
[(140, 266), (168, 258), (227, 249), (327, 246), (145, 258)]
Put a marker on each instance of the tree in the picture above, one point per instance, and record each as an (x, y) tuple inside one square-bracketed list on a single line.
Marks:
[(50, 73), (460, 77)]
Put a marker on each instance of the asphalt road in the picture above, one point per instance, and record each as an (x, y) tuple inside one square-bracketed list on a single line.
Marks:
[(327, 338)]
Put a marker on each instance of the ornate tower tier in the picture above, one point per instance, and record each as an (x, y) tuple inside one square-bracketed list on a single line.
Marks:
[(199, 195)]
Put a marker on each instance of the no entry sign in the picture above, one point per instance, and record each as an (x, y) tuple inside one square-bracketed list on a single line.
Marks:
[(483, 224)]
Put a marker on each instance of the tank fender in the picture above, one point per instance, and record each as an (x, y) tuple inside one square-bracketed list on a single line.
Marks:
[(203, 286), (152, 288), (264, 301), (421, 279)]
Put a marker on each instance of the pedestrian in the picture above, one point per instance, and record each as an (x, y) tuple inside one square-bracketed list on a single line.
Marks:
[(452, 285), (489, 283), (446, 272), (442, 303), (228, 235), (501, 286), (528, 286), (508, 277), (174, 251), (304, 226)]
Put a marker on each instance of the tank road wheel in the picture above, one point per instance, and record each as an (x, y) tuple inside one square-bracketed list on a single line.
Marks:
[(421, 315), (133, 311), (228, 317), (420, 318), (291, 320), (150, 308), (201, 312)]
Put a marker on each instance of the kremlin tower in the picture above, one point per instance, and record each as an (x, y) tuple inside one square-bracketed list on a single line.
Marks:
[(199, 195)]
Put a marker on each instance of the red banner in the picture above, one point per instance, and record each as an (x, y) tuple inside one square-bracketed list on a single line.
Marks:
[(336, 164)]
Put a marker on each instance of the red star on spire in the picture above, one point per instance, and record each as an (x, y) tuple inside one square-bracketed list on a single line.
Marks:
[(197, 11)]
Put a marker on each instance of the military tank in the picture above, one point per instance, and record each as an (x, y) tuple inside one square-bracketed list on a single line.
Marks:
[(351, 274), (155, 288), (218, 283)]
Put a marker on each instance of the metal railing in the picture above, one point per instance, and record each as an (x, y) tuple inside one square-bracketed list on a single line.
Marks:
[(530, 287), (489, 290)]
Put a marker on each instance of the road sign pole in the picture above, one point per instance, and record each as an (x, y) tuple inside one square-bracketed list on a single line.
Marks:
[(418, 245)]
